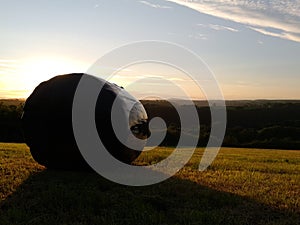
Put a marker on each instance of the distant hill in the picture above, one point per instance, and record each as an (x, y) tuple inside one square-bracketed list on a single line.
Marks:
[(199, 103), (257, 123), (12, 101), (240, 103)]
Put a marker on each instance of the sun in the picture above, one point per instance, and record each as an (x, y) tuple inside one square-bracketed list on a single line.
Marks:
[(33, 71)]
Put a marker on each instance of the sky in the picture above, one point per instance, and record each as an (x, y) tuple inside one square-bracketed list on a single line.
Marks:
[(252, 46)]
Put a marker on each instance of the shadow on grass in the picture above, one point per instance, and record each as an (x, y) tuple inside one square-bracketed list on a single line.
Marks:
[(52, 197)]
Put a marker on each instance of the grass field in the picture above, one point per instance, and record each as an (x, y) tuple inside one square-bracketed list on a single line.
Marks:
[(242, 186)]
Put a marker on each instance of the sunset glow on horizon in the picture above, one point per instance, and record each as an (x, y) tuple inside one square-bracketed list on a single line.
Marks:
[(24, 75), (251, 47)]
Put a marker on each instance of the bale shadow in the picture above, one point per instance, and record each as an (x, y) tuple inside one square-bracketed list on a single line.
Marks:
[(66, 197)]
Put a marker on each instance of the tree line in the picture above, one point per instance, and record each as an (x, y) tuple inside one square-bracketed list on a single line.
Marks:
[(271, 124), (10, 121), (260, 124)]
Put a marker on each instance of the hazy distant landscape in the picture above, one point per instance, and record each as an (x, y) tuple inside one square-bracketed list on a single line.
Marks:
[(243, 185), (259, 124), (271, 124)]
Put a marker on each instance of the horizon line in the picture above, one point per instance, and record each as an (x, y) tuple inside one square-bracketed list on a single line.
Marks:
[(204, 100)]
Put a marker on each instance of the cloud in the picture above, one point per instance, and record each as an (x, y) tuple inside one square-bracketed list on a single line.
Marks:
[(12, 93), (258, 14), (198, 36), (8, 61), (7, 70), (218, 27), (157, 6), (8, 66), (175, 79), (282, 34), (260, 42)]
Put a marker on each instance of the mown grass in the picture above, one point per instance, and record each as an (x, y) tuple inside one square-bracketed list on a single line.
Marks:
[(242, 186)]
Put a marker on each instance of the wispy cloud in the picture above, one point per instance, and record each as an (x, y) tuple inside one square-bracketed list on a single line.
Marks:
[(258, 14), (157, 6), (218, 27), (8, 61), (198, 36), (280, 34), (12, 93), (260, 42), (7, 71), (175, 79), (8, 77), (8, 66)]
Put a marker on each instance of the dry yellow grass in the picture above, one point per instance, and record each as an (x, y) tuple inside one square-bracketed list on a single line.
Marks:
[(242, 186)]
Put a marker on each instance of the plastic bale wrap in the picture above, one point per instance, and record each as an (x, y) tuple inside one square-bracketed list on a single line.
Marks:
[(48, 130)]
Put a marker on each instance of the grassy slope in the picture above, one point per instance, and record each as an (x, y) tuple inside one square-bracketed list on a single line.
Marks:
[(243, 186)]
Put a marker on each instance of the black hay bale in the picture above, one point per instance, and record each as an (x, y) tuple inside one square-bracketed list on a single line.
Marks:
[(47, 123)]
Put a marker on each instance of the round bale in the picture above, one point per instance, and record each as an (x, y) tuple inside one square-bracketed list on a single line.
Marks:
[(48, 129)]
